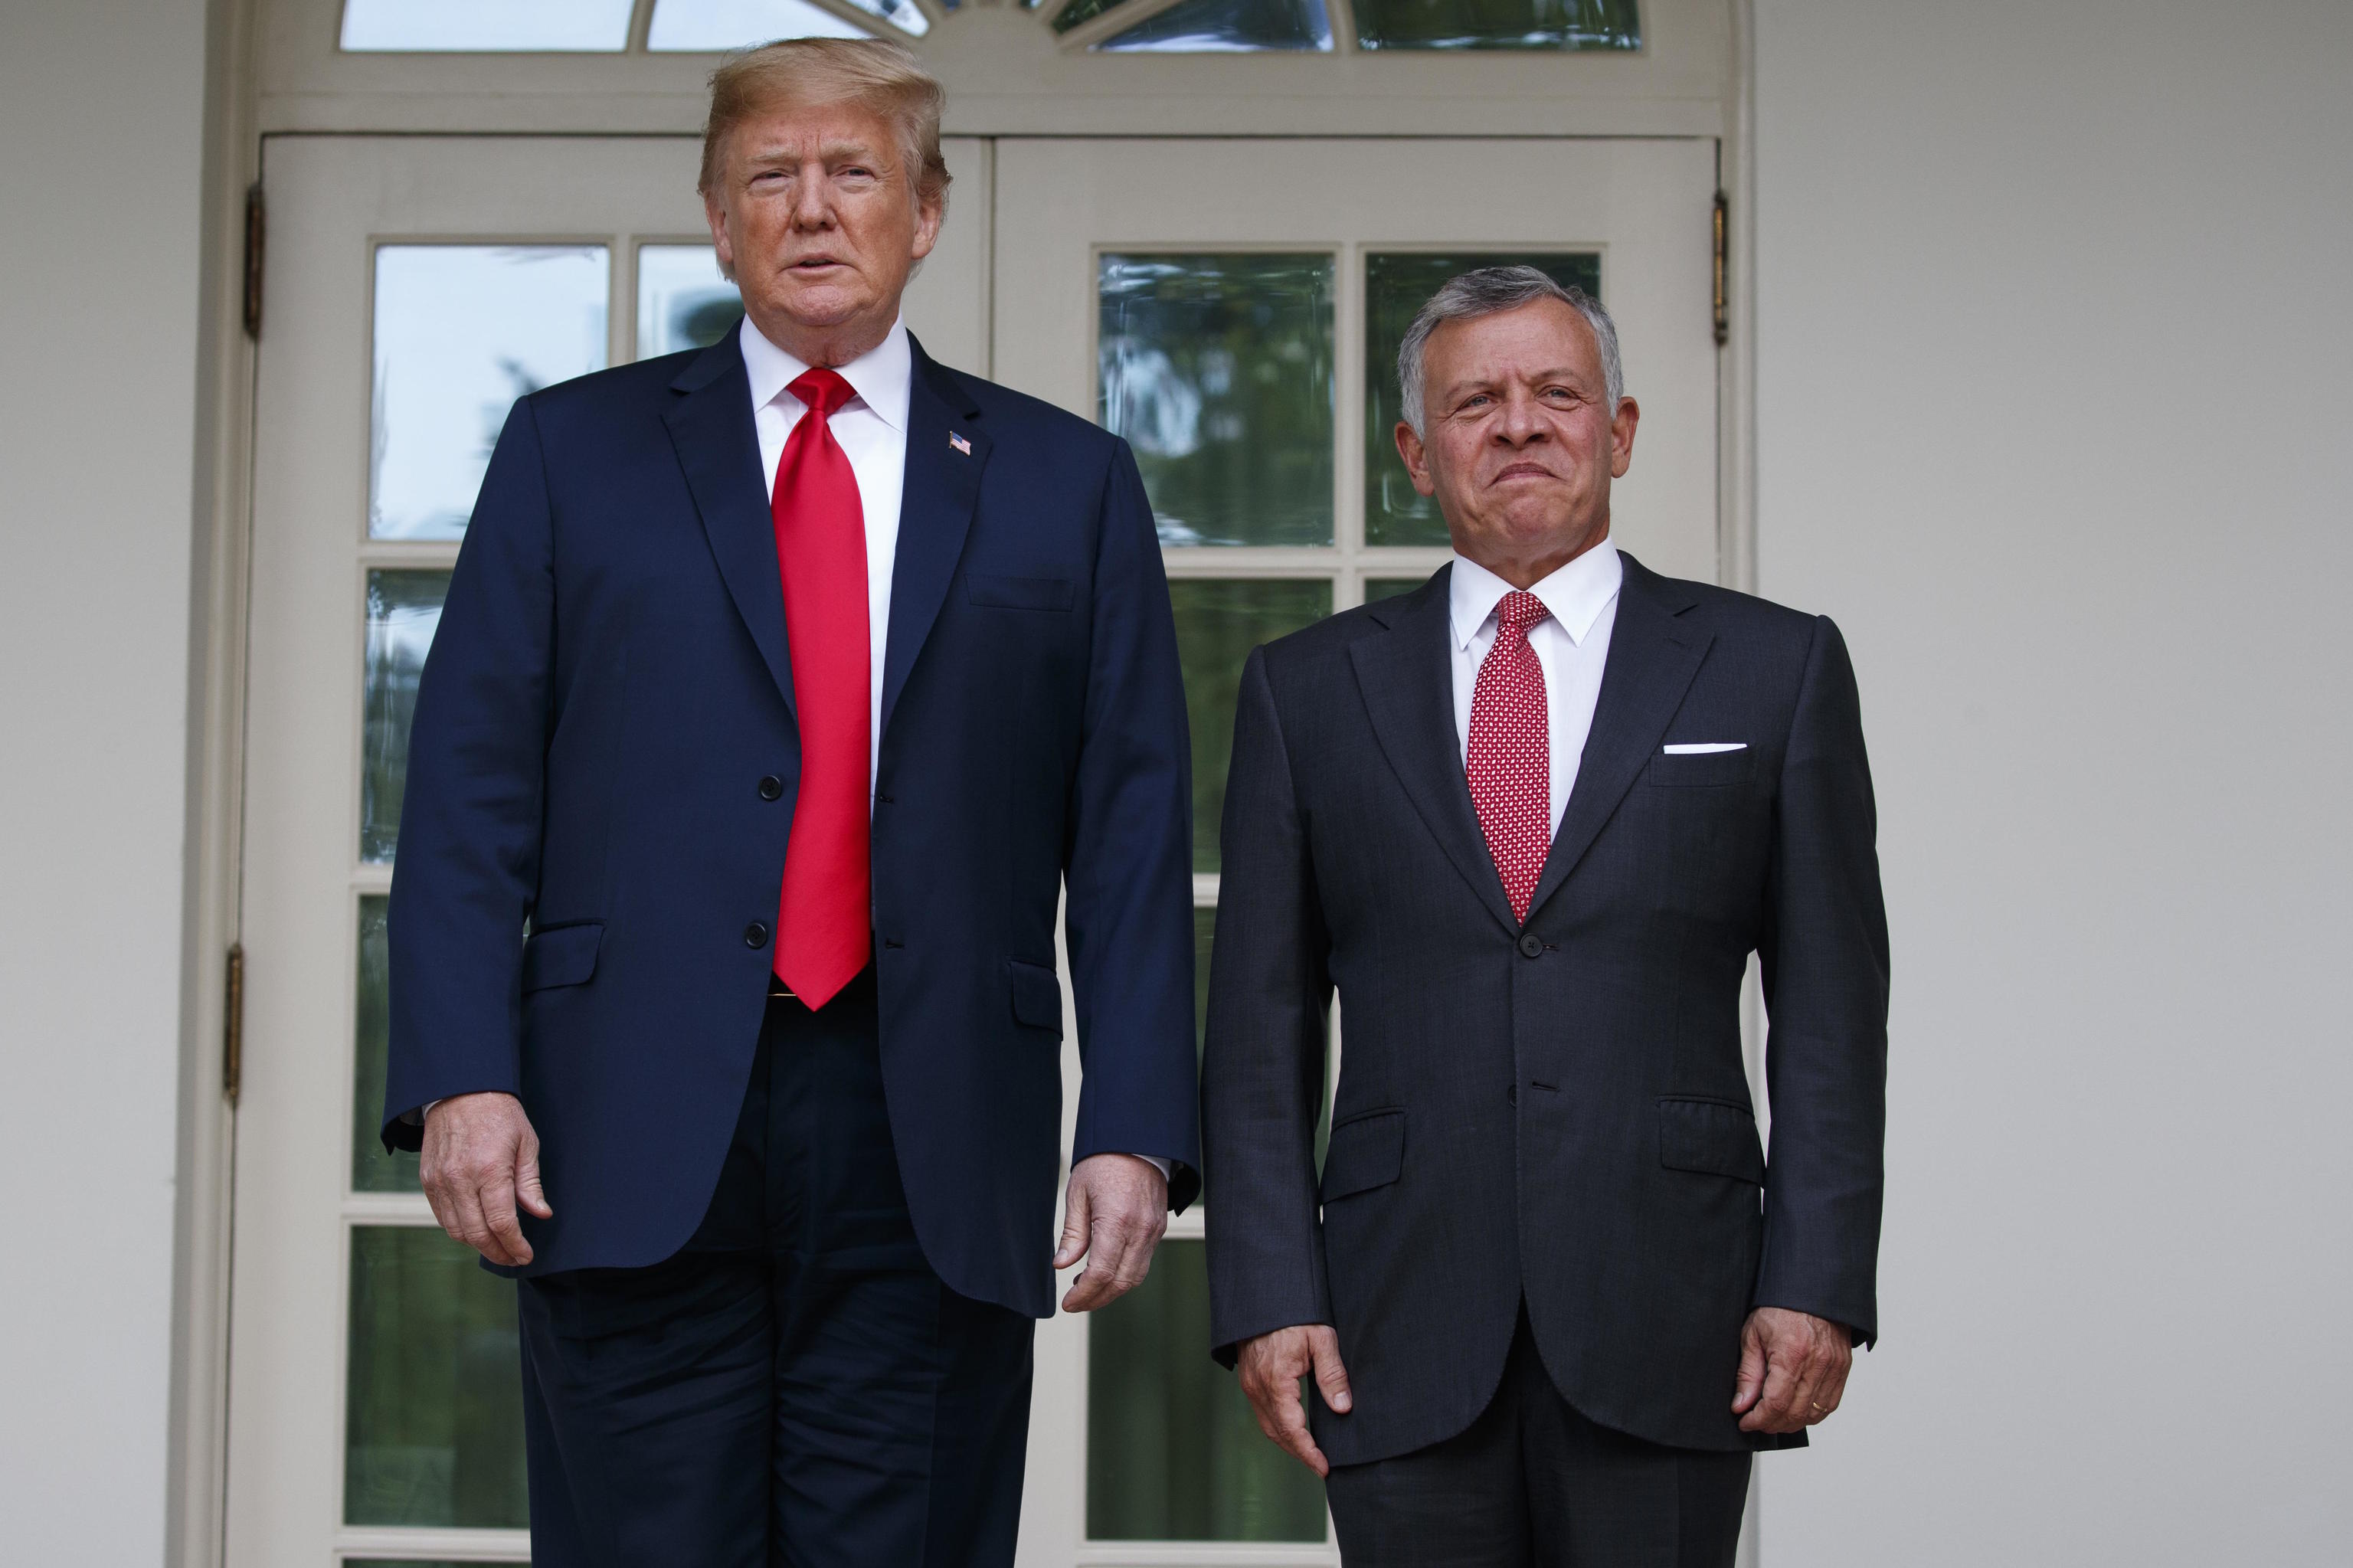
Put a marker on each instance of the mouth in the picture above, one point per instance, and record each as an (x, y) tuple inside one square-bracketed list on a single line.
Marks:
[(807, 265), (1525, 470)]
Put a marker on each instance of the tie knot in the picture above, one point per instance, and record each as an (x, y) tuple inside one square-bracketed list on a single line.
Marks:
[(823, 390), (1518, 610)]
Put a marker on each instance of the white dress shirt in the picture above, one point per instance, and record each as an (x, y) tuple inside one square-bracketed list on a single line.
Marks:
[(872, 429), (1571, 644)]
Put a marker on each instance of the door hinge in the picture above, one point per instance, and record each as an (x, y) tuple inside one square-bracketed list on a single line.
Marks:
[(256, 234), (232, 1025), (1722, 296)]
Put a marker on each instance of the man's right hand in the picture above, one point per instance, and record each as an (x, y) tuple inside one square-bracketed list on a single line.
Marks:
[(1270, 1366), (481, 1158)]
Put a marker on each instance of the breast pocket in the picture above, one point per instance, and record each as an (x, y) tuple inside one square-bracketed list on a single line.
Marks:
[(1704, 767), (1019, 593)]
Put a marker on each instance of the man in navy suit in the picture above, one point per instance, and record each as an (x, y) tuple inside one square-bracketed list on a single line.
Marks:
[(781, 689)]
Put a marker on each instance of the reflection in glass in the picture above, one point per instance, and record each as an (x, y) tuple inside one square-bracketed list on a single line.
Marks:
[(467, 25), (374, 1170), (433, 1426), (403, 608), (1218, 369), (1172, 1453), (710, 25), (1218, 624), (461, 331), (1498, 25), (1397, 285), (1229, 27), (682, 301)]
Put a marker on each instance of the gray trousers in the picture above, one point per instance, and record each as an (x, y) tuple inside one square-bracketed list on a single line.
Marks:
[(1533, 1484)]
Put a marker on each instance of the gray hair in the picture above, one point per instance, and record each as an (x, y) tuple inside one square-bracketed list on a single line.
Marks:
[(1489, 291)]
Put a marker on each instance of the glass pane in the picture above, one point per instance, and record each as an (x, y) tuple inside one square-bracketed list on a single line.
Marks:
[(1172, 1453), (472, 25), (461, 331), (1389, 587), (1229, 27), (1205, 931), (1498, 25), (1079, 11), (682, 301), (1397, 285), (1218, 624), (1218, 369), (374, 1170), (403, 610), (433, 1432), (713, 25), (903, 15)]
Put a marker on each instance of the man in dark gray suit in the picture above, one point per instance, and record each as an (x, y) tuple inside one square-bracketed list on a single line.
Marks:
[(1530, 821)]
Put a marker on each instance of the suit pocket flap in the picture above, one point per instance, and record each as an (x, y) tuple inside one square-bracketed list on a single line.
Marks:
[(561, 955), (1703, 767), (1019, 593), (1367, 1152), (1037, 996), (1711, 1137)]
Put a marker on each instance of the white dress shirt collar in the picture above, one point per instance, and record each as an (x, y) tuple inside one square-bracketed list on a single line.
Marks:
[(881, 376), (1574, 595)]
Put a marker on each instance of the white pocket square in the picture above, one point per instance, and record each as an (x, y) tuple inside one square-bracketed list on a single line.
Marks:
[(1695, 748)]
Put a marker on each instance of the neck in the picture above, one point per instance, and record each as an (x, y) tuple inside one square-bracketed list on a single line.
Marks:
[(1524, 570), (831, 346)]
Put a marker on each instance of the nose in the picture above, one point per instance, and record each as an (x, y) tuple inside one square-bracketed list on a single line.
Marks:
[(1521, 421), (812, 200)]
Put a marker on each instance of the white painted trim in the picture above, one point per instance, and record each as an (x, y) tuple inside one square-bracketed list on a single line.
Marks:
[(220, 498)]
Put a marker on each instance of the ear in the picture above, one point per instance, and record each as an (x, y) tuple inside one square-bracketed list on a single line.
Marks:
[(715, 215), (1621, 437), (930, 212), (1416, 459)]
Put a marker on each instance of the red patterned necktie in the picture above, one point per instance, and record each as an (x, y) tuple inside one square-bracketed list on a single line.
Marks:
[(1510, 751), (824, 920)]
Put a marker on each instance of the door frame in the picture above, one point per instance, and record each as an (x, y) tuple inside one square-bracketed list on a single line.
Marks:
[(267, 72)]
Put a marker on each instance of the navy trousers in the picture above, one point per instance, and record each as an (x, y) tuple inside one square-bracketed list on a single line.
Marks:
[(1533, 1484), (796, 1386)]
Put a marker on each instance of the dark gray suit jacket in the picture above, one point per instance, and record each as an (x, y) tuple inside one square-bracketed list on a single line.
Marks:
[(1556, 1112)]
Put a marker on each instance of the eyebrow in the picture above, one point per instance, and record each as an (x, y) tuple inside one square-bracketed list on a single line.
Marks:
[(1472, 383), (831, 152)]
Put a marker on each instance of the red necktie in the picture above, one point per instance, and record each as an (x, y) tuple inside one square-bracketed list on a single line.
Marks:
[(824, 920), (1510, 751)]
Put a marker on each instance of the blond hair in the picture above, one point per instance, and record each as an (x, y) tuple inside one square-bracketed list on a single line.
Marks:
[(876, 75)]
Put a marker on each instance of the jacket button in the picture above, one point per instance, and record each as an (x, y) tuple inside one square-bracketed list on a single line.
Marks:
[(1530, 948), (1512, 1094), (772, 787), (756, 935)]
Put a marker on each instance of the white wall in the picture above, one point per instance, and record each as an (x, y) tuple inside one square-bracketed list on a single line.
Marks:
[(2054, 342), (101, 117)]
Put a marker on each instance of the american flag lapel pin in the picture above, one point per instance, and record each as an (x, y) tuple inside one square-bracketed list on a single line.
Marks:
[(959, 443)]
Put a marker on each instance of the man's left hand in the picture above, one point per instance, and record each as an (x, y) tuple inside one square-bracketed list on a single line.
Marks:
[(1793, 1368), (1114, 1216)]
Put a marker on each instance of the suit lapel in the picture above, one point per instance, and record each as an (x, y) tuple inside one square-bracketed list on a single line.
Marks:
[(1652, 658), (942, 487), (1407, 681), (719, 448)]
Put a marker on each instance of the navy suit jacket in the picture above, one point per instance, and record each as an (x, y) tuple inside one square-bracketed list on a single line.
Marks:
[(606, 712)]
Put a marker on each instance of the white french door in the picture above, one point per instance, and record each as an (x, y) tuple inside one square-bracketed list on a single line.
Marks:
[(1233, 307), (1226, 304)]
